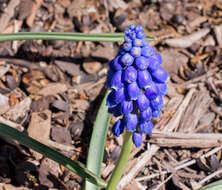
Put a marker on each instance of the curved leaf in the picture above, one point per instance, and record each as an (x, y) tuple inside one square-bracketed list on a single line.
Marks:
[(97, 142), (73, 166)]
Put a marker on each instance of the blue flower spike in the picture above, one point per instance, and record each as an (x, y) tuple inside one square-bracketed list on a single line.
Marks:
[(137, 83)]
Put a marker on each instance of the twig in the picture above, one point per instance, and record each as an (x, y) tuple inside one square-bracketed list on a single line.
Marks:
[(186, 164), (198, 140), (162, 183), (210, 177), (197, 79)]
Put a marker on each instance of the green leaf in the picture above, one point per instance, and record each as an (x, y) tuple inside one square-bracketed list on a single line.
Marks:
[(105, 37), (97, 143), (213, 186), (73, 166)]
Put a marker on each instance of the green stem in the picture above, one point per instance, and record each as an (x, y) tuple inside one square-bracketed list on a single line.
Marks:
[(100, 37), (121, 164)]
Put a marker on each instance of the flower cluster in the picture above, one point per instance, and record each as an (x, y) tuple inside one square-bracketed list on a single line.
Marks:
[(137, 83)]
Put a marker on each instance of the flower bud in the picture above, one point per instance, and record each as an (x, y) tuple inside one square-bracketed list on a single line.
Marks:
[(126, 107), (151, 90), (135, 51), (115, 64), (147, 51), (141, 62), (118, 127), (131, 122), (116, 82), (137, 139), (156, 113), (160, 75), (142, 102), (133, 91), (127, 59), (146, 127), (146, 115), (143, 78), (130, 74), (162, 88), (157, 102)]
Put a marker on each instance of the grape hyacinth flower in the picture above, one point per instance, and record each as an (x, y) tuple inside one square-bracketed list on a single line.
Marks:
[(137, 83)]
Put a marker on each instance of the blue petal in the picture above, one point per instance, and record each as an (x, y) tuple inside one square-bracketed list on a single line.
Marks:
[(131, 122), (158, 57), (143, 78), (115, 64), (162, 87), (151, 90), (135, 51), (137, 139), (146, 127), (127, 59), (116, 82), (119, 95), (132, 35), (146, 115), (130, 74), (137, 42), (126, 107), (132, 26), (138, 28), (133, 91), (141, 62), (116, 111), (109, 78), (153, 64), (142, 102), (147, 51), (110, 102), (160, 75), (127, 39), (127, 46), (157, 102), (156, 113), (118, 127)]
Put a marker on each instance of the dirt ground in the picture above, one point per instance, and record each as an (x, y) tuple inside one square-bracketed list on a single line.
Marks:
[(52, 90)]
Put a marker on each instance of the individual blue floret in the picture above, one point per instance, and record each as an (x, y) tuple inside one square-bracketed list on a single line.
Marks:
[(137, 83), (118, 127), (137, 139)]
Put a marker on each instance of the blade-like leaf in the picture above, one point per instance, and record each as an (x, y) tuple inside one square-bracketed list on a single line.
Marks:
[(97, 143), (213, 186), (99, 37), (73, 166)]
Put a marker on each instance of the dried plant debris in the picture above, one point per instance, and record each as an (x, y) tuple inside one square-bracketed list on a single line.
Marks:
[(52, 90)]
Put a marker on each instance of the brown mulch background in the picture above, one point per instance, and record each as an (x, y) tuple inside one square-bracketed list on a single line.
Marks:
[(52, 90)]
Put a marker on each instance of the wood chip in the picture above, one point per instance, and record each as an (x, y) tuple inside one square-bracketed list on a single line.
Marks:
[(187, 41), (92, 67), (34, 10), (19, 110), (39, 128), (197, 107), (52, 89), (5, 17), (218, 33)]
